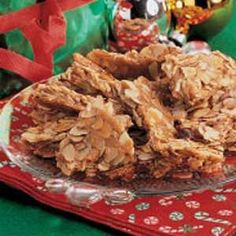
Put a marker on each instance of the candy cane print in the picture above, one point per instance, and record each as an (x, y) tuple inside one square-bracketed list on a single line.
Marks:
[(132, 218), (181, 229), (227, 190), (204, 216), (169, 230), (7, 163), (166, 201), (3, 164)]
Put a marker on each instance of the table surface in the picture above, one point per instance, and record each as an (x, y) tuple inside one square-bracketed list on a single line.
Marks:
[(21, 215)]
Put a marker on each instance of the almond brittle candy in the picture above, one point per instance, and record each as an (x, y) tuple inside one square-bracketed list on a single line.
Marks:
[(98, 141), (44, 139), (177, 120), (195, 78), (133, 64), (127, 66), (89, 78), (59, 97)]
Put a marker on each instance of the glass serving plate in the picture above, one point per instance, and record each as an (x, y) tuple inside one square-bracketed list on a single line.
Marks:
[(14, 119)]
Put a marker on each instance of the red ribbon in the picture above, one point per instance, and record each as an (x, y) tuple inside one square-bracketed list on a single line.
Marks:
[(44, 26)]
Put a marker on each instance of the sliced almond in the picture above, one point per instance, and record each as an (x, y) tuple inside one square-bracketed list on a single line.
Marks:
[(110, 154), (34, 138), (82, 154), (133, 95), (183, 175), (98, 123), (126, 143), (201, 113), (119, 159), (230, 103), (145, 156), (80, 146), (83, 165), (97, 142), (105, 131), (68, 152), (78, 132), (88, 113), (208, 133), (77, 139), (103, 166), (64, 142), (93, 155)]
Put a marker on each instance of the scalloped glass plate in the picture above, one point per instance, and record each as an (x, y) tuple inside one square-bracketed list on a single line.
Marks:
[(14, 119)]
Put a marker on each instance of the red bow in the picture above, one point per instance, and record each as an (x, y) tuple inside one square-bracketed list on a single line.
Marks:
[(44, 26)]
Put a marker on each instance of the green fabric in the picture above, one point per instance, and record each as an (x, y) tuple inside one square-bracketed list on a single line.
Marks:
[(82, 34), (20, 216), (87, 28)]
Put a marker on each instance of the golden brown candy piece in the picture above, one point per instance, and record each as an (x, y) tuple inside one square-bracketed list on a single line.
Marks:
[(98, 141), (185, 110)]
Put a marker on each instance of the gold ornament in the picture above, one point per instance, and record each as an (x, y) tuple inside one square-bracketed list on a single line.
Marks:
[(193, 12)]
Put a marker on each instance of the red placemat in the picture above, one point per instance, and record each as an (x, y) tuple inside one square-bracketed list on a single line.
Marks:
[(207, 213)]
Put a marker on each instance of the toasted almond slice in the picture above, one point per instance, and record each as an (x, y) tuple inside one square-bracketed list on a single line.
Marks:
[(112, 142), (97, 142), (98, 103), (103, 166), (34, 138), (126, 142), (229, 103), (76, 139), (80, 146), (88, 113), (208, 132), (153, 69), (133, 95), (195, 164), (83, 154), (93, 155), (83, 165), (105, 131), (145, 156), (78, 132), (110, 154), (98, 123), (68, 152), (60, 137), (65, 171), (201, 113), (119, 159)]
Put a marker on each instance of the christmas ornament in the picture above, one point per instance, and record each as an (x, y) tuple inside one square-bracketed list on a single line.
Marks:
[(199, 19), (137, 24), (197, 46)]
